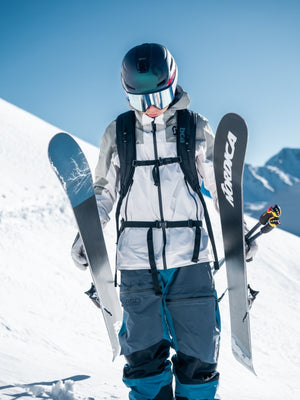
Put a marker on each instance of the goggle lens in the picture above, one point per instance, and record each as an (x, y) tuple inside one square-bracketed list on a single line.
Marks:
[(162, 99)]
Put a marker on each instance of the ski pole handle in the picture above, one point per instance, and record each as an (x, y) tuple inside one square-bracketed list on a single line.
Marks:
[(272, 223), (272, 212)]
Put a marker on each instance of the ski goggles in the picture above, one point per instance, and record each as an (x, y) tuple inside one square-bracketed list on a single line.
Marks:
[(162, 99)]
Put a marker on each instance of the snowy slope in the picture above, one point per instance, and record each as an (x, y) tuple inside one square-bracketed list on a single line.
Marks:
[(50, 331)]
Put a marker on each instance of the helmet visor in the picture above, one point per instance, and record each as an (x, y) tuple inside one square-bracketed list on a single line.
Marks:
[(162, 99)]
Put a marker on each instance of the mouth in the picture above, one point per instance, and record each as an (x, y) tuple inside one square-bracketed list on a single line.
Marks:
[(152, 114)]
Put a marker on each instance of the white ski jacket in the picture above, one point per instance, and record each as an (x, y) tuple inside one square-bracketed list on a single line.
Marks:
[(179, 202)]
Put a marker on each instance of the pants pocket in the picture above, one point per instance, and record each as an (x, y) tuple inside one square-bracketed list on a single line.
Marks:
[(195, 327), (142, 320)]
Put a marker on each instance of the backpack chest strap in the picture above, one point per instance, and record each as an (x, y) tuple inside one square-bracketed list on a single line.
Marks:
[(164, 225), (158, 163), (160, 224)]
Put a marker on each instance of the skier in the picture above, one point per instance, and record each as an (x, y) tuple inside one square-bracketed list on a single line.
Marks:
[(163, 254)]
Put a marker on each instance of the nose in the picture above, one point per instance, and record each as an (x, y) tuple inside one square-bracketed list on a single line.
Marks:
[(153, 111), (153, 108)]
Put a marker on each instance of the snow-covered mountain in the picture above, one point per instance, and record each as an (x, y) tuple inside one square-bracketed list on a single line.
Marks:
[(277, 182), (53, 342)]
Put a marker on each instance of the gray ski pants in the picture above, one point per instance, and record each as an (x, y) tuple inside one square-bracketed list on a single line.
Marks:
[(184, 317)]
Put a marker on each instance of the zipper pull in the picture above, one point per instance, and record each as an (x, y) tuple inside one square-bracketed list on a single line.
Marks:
[(155, 175), (155, 170), (153, 127)]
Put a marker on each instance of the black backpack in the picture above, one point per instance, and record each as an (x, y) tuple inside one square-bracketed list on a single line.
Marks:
[(185, 137)]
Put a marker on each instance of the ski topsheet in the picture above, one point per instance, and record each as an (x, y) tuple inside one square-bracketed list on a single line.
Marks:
[(229, 157), (72, 169)]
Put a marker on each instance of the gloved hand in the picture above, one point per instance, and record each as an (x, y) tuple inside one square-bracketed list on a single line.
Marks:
[(251, 250), (78, 254), (250, 247)]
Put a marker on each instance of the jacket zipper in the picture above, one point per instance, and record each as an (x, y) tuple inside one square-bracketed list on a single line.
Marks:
[(159, 195)]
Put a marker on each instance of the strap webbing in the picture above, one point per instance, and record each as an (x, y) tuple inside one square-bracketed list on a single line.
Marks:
[(161, 224), (164, 225), (186, 141), (186, 132), (197, 242), (159, 162), (151, 255), (209, 229)]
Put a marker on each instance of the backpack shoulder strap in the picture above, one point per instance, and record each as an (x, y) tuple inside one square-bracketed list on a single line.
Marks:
[(186, 148), (125, 131), (186, 141)]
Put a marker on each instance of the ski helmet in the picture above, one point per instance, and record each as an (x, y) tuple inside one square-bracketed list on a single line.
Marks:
[(149, 76)]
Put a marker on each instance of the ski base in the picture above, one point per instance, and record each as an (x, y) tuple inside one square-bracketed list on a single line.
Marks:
[(71, 167)]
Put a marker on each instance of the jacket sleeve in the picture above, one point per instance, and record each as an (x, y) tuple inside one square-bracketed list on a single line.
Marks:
[(204, 157), (107, 175)]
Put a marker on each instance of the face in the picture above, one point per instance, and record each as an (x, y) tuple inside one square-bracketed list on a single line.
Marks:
[(154, 112)]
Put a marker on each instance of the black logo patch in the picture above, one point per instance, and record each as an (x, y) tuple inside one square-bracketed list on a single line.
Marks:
[(132, 301), (182, 135)]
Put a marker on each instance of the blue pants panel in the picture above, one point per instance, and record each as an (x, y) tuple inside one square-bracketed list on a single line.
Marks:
[(184, 317), (148, 387), (203, 391)]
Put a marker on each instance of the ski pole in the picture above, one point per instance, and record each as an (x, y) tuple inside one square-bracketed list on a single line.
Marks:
[(221, 262), (264, 218), (272, 223)]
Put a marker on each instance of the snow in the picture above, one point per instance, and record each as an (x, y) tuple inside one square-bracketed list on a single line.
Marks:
[(277, 182), (263, 180), (287, 160), (53, 342), (284, 177)]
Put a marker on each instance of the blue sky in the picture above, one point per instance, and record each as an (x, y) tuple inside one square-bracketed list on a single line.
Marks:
[(60, 60)]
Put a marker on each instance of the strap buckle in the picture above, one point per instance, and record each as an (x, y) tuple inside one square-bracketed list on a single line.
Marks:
[(161, 224), (191, 223)]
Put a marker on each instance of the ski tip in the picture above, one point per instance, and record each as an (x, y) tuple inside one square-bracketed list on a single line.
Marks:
[(232, 115), (58, 136), (233, 119), (54, 140)]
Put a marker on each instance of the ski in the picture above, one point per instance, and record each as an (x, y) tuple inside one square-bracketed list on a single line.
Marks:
[(72, 169), (268, 220), (229, 157)]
